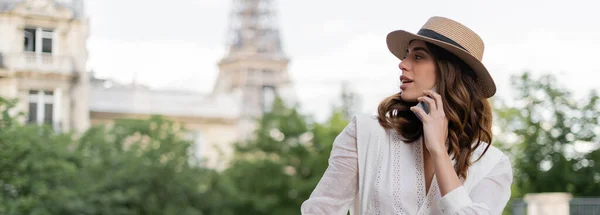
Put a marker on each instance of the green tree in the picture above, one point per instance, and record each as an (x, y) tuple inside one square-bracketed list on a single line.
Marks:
[(35, 167), (542, 129), (130, 167), (141, 167), (274, 172)]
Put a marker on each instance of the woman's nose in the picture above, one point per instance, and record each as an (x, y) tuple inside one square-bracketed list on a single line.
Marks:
[(403, 65)]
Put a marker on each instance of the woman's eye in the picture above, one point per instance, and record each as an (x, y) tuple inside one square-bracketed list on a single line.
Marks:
[(418, 57)]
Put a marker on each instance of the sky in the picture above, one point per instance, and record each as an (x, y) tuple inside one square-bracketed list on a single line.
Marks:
[(176, 44)]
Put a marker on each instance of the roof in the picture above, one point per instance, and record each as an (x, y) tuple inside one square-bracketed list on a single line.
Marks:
[(6, 5), (141, 100), (76, 6)]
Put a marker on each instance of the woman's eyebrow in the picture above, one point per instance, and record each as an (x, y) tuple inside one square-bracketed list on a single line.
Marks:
[(418, 48)]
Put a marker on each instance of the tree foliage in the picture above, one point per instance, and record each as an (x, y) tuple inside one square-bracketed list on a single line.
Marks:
[(274, 172), (131, 167), (551, 136)]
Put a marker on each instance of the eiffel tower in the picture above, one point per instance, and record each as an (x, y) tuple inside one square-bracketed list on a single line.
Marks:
[(255, 63)]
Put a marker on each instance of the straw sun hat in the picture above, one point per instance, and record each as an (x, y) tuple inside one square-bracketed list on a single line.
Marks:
[(452, 36)]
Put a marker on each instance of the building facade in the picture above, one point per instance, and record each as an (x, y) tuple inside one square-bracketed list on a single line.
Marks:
[(211, 121), (43, 59)]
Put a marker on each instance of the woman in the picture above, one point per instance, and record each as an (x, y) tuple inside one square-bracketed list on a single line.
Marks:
[(438, 163)]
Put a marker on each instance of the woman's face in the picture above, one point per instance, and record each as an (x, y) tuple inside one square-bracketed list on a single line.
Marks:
[(418, 71)]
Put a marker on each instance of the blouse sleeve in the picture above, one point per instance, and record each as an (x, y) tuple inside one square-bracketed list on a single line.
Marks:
[(336, 190), (488, 197)]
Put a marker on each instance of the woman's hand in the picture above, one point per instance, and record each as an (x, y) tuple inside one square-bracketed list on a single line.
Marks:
[(435, 124), (435, 129)]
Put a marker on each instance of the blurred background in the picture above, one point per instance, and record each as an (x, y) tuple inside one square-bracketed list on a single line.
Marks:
[(231, 106)]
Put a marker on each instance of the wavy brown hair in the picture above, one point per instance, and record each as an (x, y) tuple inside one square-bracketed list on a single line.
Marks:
[(469, 113)]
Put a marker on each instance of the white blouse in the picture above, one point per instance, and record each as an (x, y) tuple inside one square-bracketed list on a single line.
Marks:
[(399, 187)]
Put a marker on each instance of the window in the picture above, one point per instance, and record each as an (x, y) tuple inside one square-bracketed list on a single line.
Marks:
[(198, 145), (41, 107), (38, 40), (29, 40), (47, 41), (48, 114), (197, 139), (31, 119)]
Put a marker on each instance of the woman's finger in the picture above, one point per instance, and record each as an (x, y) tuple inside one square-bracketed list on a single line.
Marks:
[(438, 99), (430, 102), (419, 112)]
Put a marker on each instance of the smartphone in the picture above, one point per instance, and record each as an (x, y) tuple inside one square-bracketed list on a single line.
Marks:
[(424, 105)]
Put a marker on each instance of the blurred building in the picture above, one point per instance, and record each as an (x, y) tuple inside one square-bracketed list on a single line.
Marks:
[(42, 62), (211, 121), (43, 58)]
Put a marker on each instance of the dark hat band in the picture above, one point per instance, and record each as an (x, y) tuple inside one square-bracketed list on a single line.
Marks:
[(435, 35)]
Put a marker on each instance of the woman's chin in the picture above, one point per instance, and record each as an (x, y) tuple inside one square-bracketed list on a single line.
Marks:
[(407, 97)]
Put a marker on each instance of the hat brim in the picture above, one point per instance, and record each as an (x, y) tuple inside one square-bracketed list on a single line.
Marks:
[(397, 42)]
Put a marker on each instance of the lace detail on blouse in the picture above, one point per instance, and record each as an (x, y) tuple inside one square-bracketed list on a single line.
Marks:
[(396, 191), (420, 174), (433, 192), (375, 199)]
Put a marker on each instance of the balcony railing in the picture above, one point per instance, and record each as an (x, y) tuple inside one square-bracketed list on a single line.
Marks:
[(39, 62)]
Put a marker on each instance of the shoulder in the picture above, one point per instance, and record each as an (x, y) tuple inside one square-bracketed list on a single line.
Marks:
[(493, 162), (368, 131), (360, 123), (365, 121), (493, 155), (365, 117)]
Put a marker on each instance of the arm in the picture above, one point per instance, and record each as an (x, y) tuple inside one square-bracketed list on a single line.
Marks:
[(489, 196), (338, 186), (445, 173)]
